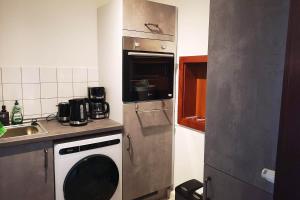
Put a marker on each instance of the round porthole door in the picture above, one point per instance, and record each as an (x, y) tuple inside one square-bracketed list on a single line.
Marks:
[(93, 178)]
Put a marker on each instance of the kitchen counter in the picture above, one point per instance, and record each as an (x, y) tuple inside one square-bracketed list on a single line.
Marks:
[(57, 131)]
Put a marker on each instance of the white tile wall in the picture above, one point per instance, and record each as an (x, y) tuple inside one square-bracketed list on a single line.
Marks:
[(49, 105), (93, 84), (80, 75), (12, 91), (31, 91), (1, 93), (30, 75), (48, 75), (32, 107), (39, 89), (64, 75), (65, 90), (11, 75), (48, 90), (80, 89)]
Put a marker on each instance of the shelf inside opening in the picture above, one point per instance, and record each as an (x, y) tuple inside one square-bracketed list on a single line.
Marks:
[(192, 92)]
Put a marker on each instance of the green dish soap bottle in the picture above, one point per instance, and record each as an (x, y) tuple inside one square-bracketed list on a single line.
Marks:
[(2, 129), (16, 114)]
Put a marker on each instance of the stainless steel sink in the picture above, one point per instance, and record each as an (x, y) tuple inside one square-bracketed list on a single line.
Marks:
[(24, 130)]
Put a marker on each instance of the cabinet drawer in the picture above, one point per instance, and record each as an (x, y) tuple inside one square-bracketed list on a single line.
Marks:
[(149, 17)]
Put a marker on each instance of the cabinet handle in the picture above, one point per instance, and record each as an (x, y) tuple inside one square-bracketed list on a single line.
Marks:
[(46, 163), (129, 143), (152, 27), (206, 187), (163, 109)]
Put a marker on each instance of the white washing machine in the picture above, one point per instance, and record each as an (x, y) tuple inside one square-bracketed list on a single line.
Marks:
[(89, 169)]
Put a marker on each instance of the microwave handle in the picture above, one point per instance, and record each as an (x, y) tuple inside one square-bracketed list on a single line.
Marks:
[(150, 54)]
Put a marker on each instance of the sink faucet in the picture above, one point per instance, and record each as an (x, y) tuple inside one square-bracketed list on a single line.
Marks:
[(34, 122)]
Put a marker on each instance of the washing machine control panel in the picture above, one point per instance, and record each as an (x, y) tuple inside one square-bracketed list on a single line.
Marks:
[(86, 147)]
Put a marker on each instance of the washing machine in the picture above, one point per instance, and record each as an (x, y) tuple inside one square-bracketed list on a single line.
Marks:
[(89, 169)]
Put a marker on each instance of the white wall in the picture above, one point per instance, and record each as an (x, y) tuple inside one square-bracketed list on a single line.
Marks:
[(110, 55), (193, 22), (48, 32)]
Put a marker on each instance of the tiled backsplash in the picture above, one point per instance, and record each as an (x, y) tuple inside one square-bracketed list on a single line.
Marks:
[(39, 89)]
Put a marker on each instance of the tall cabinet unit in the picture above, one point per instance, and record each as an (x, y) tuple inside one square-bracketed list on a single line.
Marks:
[(148, 125), (247, 42)]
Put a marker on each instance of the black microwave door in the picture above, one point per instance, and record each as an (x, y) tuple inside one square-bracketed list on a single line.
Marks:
[(94, 178), (147, 77)]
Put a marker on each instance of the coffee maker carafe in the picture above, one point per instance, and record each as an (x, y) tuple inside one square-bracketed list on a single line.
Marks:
[(99, 108)]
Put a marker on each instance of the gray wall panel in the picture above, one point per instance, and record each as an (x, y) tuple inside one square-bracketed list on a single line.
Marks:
[(224, 187), (245, 71)]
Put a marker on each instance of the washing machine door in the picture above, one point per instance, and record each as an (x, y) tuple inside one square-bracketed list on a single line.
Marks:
[(95, 177)]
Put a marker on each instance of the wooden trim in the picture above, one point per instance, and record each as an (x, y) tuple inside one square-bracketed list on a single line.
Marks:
[(190, 109)]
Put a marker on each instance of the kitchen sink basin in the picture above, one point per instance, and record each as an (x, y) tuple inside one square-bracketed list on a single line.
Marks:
[(24, 130)]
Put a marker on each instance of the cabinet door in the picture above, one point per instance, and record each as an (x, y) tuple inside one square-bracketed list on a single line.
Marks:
[(137, 13), (147, 149), (222, 187), (26, 172), (245, 71)]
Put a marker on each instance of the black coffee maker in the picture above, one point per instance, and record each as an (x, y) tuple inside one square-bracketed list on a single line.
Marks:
[(99, 108)]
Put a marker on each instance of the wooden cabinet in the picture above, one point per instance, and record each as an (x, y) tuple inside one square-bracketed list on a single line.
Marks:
[(26, 172), (147, 148), (244, 89), (149, 17), (192, 91)]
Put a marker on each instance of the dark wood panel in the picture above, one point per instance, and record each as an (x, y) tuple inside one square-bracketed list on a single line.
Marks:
[(288, 162)]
